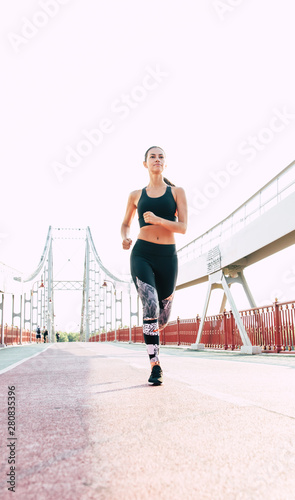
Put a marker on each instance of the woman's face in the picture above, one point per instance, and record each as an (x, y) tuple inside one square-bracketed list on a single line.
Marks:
[(156, 161)]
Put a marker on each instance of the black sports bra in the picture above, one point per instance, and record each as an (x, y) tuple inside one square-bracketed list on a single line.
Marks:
[(164, 206)]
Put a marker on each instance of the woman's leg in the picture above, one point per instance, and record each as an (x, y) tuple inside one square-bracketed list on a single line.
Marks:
[(144, 280), (154, 273), (150, 312), (166, 276)]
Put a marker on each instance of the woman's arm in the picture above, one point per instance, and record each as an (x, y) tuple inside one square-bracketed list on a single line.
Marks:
[(179, 226), (129, 216)]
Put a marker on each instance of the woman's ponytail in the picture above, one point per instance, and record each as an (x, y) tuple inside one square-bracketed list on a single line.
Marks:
[(168, 182)]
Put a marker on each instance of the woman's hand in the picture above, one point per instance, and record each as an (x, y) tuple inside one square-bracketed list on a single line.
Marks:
[(151, 218), (126, 243)]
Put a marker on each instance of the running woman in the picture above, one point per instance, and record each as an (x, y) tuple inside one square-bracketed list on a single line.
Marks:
[(162, 211)]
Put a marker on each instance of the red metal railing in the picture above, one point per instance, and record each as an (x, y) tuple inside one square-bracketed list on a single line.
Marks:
[(12, 335), (271, 327)]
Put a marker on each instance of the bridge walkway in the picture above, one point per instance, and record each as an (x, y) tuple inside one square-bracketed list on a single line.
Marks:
[(88, 426)]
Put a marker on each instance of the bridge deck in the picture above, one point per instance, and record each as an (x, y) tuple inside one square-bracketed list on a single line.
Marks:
[(89, 426)]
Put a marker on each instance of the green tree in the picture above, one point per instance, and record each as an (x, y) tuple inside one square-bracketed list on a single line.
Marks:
[(63, 337), (74, 337)]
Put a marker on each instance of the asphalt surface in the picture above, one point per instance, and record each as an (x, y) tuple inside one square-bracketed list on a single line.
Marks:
[(88, 425)]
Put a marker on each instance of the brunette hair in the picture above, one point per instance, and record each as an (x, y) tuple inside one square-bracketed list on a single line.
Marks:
[(145, 159)]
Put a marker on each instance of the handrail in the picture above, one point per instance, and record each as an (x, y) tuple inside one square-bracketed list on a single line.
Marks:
[(241, 216), (272, 328)]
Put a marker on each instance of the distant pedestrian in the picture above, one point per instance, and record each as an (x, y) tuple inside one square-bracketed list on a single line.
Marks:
[(162, 211), (38, 335), (57, 337), (45, 334)]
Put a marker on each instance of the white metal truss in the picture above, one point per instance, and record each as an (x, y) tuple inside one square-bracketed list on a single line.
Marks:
[(101, 289), (101, 294)]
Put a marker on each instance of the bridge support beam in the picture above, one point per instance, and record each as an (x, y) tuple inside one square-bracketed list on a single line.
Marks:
[(50, 298), (131, 314), (240, 279), (87, 279), (219, 280), (18, 315)]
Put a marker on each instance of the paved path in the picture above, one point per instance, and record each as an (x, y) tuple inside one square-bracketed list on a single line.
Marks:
[(15, 355), (89, 426)]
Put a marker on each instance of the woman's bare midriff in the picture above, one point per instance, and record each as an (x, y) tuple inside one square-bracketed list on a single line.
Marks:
[(156, 234)]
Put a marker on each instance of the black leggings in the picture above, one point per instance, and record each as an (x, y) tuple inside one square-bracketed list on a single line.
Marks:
[(154, 272)]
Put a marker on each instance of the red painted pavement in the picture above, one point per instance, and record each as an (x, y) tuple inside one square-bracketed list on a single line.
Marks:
[(89, 427)]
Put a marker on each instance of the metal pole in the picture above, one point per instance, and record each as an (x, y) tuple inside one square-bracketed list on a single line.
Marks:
[(87, 290), (130, 314), (101, 309), (31, 314), (247, 290), (21, 319), (50, 293), (98, 328), (106, 313), (97, 302), (278, 336), (115, 294), (39, 304), (137, 305), (198, 345), (52, 316), (83, 304), (2, 320), (35, 308), (109, 306), (244, 336), (12, 302), (26, 321), (43, 317)]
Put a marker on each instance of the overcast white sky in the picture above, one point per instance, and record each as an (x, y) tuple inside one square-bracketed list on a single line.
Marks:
[(199, 78)]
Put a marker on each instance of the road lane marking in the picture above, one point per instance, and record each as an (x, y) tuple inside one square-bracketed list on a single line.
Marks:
[(23, 360)]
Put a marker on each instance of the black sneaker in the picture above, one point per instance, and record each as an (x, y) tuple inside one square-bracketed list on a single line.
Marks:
[(156, 377)]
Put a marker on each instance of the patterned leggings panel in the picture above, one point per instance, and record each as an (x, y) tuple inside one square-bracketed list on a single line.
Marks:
[(154, 272)]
